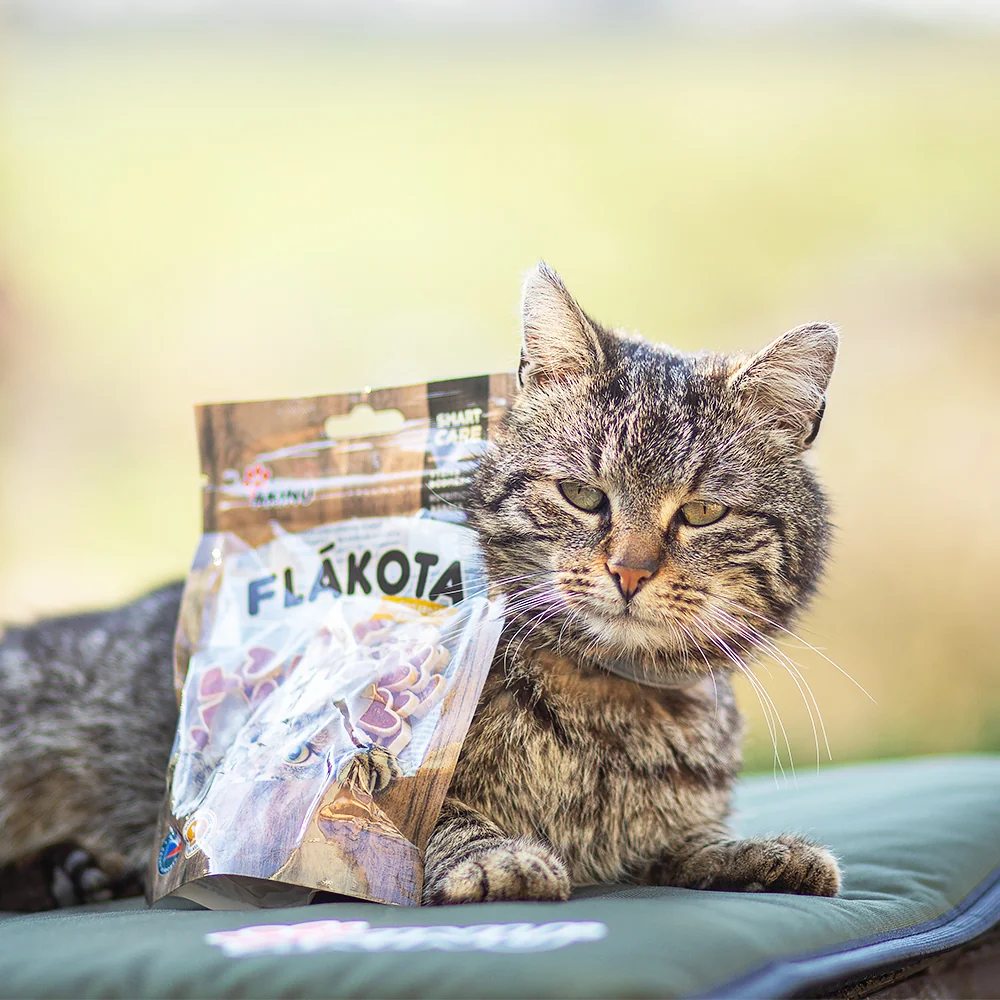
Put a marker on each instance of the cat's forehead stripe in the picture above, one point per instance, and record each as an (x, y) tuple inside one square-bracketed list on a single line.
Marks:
[(653, 440)]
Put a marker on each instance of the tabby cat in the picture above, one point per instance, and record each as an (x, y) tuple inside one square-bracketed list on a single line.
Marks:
[(651, 519)]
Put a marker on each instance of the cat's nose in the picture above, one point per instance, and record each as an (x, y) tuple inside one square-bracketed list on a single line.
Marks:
[(631, 577)]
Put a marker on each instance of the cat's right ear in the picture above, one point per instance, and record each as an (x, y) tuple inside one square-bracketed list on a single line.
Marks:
[(785, 384), (559, 342)]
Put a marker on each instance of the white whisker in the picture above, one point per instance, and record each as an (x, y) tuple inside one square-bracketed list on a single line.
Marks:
[(765, 645), (755, 682), (809, 645)]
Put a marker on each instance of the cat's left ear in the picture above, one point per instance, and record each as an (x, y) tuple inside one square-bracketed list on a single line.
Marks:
[(785, 384), (560, 343)]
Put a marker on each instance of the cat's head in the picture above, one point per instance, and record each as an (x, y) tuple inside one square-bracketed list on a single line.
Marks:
[(646, 506)]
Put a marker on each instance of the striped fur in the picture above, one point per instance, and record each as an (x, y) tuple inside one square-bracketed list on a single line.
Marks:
[(571, 774)]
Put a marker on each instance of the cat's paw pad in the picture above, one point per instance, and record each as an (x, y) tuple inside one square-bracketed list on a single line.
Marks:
[(811, 869), (514, 870), (76, 877), (782, 864), (373, 769)]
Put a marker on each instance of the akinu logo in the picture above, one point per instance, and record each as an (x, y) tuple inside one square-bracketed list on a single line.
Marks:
[(265, 491)]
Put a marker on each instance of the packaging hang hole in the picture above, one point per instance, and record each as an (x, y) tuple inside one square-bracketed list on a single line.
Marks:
[(363, 422)]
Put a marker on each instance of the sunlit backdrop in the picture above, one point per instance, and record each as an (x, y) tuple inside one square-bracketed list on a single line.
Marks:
[(195, 215)]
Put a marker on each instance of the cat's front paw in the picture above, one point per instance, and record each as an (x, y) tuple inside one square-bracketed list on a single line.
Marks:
[(62, 875), (788, 863), (796, 865), (512, 870)]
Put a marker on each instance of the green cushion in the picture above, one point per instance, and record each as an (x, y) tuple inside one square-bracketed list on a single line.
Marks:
[(920, 843)]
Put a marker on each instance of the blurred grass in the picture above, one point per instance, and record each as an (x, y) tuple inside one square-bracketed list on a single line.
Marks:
[(185, 219)]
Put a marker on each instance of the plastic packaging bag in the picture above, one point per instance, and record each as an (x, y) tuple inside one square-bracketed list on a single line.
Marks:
[(334, 637)]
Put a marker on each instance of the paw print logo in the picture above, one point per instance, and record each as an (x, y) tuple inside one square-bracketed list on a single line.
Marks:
[(256, 477)]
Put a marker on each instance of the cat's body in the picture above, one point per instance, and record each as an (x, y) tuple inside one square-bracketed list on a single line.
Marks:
[(87, 718), (647, 514)]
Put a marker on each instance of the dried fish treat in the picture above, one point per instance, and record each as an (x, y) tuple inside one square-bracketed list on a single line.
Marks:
[(334, 636), (430, 697), (380, 721), (403, 703), (398, 676)]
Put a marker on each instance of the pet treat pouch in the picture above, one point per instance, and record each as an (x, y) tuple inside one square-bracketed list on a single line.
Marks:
[(334, 637)]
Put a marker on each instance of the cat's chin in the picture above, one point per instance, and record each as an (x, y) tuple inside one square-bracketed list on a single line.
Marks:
[(626, 646), (627, 634), (636, 652)]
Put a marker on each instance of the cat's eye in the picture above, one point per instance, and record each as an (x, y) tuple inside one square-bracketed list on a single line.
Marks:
[(588, 498), (698, 513), (300, 754)]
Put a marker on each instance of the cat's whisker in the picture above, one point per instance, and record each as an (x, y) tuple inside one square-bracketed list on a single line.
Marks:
[(525, 615), (522, 603), (807, 644), (773, 721), (708, 666), (678, 642), (546, 610), (571, 614), (502, 581), (513, 593), (538, 621), (442, 500), (509, 650), (768, 712), (755, 682), (764, 645), (527, 624), (799, 677), (526, 595), (527, 603)]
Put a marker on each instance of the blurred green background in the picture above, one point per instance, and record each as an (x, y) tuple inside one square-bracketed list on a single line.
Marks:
[(195, 215)]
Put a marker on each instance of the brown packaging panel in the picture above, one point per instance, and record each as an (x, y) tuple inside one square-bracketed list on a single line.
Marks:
[(331, 480)]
